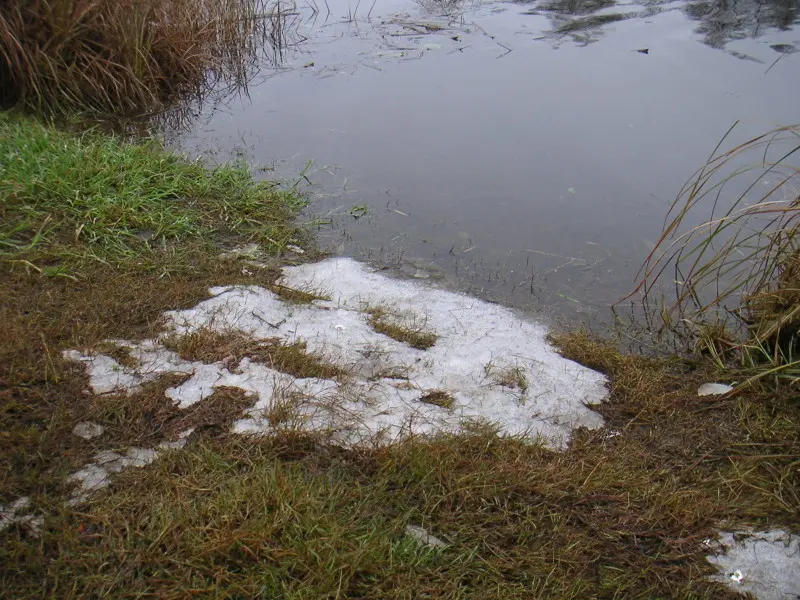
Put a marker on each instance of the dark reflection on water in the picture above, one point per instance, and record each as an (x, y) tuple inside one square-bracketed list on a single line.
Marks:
[(720, 21), (724, 20)]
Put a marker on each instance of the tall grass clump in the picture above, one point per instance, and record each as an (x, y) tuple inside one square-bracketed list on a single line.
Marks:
[(127, 56), (731, 239)]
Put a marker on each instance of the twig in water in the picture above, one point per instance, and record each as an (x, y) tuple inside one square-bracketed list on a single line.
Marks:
[(775, 62), (508, 50), (363, 64)]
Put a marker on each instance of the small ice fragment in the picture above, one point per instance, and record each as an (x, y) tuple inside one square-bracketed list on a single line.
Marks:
[(140, 457), (91, 477), (421, 535), (295, 249), (713, 389), (252, 251), (88, 430), (177, 444), (737, 576), (10, 515), (571, 190)]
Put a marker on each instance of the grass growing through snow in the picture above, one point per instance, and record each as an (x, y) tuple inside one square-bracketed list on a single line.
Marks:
[(438, 398), (98, 238), (413, 334), (622, 513), (68, 200), (615, 516), (211, 346)]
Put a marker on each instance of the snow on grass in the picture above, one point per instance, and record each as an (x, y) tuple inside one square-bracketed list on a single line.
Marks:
[(382, 397), (765, 564), (16, 513)]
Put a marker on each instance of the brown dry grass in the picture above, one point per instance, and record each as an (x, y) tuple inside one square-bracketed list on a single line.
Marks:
[(211, 346), (126, 56), (615, 516), (41, 394), (731, 241), (294, 296), (438, 398), (390, 325)]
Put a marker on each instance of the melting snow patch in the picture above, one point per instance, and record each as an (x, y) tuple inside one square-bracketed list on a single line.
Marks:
[(152, 360), (421, 536), (14, 513), (380, 400), (87, 430), (763, 563), (95, 475)]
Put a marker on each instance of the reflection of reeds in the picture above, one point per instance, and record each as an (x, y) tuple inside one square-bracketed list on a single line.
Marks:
[(132, 56), (444, 7), (740, 267)]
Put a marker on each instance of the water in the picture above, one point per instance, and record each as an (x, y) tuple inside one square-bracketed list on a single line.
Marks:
[(526, 153)]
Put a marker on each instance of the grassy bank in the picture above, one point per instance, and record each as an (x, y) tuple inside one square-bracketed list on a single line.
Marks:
[(74, 201), (731, 241), (623, 513), (98, 237)]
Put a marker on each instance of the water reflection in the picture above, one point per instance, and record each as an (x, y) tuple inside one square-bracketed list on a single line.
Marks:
[(720, 21), (535, 178), (575, 7)]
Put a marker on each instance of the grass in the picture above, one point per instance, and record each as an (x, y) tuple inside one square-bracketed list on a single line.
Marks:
[(147, 417), (622, 513), (731, 239), (76, 270), (510, 377), (294, 296), (71, 200), (211, 346), (130, 57), (413, 334), (438, 398), (612, 517)]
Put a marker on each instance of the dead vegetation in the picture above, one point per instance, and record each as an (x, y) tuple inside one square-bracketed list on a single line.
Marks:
[(615, 516), (295, 296), (132, 56), (438, 398), (210, 346), (394, 326), (737, 281), (148, 417), (622, 513), (42, 395), (511, 376)]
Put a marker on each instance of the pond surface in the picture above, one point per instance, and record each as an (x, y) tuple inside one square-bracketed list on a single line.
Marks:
[(524, 152)]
